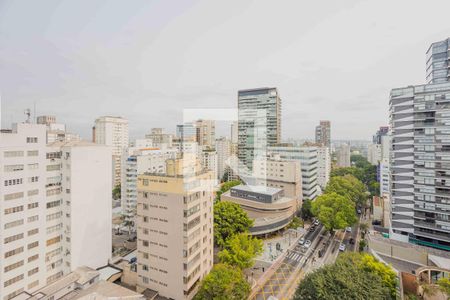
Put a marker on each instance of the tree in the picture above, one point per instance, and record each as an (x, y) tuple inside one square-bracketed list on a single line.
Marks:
[(358, 173), (348, 186), (240, 250), (334, 211), (444, 285), (116, 192), (305, 211), (225, 187), (295, 223), (229, 219), (387, 275), (222, 283), (347, 278)]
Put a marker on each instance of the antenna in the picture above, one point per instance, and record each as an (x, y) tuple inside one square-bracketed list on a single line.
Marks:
[(34, 113), (28, 114)]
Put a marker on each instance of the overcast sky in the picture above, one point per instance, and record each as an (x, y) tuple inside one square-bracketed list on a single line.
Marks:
[(149, 60)]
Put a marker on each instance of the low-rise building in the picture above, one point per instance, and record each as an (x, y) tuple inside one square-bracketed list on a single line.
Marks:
[(267, 206)]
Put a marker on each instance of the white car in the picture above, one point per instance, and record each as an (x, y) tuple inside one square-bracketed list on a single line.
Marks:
[(301, 241), (348, 229), (307, 244), (342, 247), (316, 222)]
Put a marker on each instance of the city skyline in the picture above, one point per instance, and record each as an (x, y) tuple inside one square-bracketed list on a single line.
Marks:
[(65, 69)]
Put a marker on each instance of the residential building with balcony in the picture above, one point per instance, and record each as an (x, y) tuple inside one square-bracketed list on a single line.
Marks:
[(323, 134)]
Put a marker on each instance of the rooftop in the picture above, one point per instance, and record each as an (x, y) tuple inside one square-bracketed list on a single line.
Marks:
[(257, 189)]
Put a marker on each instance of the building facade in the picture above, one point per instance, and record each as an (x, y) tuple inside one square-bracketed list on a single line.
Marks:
[(113, 132), (323, 134), (259, 124), (323, 166), (308, 158), (223, 149), (49, 204), (343, 156), (175, 250), (437, 62), (419, 167)]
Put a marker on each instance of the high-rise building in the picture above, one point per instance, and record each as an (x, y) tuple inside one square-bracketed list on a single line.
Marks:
[(159, 138), (437, 62), (50, 200), (206, 133), (234, 132), (113, 132), (307, 156), (137, 161), (343, 155), (187, 132), (374, 154), (209, 160), (383, 131), (419, 159), (323, 133), (223, 149), (259, 126), (175, 228), (323, 166), (420, 171)]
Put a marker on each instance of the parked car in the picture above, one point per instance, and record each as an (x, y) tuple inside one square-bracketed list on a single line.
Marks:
[(342, 247), (359, 211), (316, 222), (307, 243), (312, 228), (351, 241), (348, 229), (301, 241)]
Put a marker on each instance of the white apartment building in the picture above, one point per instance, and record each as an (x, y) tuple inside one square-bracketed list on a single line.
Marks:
[(209, 161), (234, 132), (56, 131), (175, 250), (323, 166), (159, 138), (374, 152), (307, 156), (223, 149), (113, 132), (50, 201), (343, 156), (283, 174), (206, 133), (384, 177), (135, 162)]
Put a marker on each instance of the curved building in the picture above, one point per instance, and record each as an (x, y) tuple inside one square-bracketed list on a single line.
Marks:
[(267, 206)]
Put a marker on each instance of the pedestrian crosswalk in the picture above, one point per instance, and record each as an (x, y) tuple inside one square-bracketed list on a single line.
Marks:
[(294, 256)]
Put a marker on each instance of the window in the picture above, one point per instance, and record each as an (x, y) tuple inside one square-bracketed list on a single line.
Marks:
[(13, 280), (13, 238), (145, 267), (32, 140), (13, 210), (33, 284), (33, 192), (13, 196), (33, 258), (13, 154), (33, 271), (33, 231), (13, 168), (33, 245), (33, 179), (13, 252), (10, 182), (145, 243), (13, 224), (33, 205), (53, 204), (53, 240), (33, 218), (33, 153), (13, 266), (33, 166)]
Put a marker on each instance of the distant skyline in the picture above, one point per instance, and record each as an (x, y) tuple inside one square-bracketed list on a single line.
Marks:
[(147, 60)]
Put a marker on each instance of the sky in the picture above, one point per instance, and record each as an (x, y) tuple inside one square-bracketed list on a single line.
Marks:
[(149, 60)]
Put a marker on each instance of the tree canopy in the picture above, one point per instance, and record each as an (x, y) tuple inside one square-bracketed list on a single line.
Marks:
[(305, 211), (334, 211), (116, 192), (222, 283), (352, 276), (348, 186), (229, 219), (240, 250), (225, 187)]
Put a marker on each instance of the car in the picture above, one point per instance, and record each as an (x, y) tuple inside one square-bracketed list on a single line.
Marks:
[(312, 228), (348, 229), (301, 241), (359, 211), (342, 247), (351, 241), (307, 243), (316, 222)]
